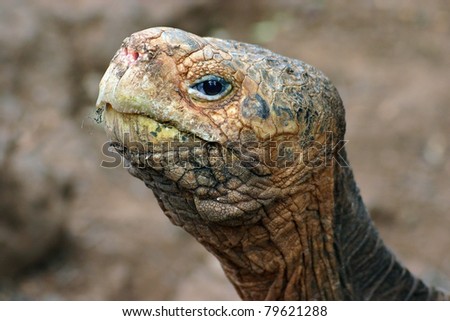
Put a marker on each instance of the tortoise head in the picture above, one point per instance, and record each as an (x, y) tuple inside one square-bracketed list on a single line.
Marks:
[(218, 129)]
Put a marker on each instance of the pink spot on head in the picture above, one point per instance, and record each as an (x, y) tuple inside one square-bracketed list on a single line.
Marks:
[(130, 54), (134, 55)]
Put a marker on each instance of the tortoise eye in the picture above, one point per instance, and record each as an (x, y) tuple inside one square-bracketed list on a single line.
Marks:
[(210, 88)]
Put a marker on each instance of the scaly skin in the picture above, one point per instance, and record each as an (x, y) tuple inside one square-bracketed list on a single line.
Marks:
[(259, 176)]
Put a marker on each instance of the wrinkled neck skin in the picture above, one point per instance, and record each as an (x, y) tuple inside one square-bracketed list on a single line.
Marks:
[(293, 257), (367, 269), (318, 244)]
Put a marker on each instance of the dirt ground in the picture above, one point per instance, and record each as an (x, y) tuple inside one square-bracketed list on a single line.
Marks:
[(72, 230)]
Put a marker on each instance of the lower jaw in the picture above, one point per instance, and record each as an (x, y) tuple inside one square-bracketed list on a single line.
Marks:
[(182, 188), (135, 129)]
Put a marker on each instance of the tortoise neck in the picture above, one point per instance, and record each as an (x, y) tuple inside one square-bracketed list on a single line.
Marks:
[(288, 254), (367, 269), (318, 244)]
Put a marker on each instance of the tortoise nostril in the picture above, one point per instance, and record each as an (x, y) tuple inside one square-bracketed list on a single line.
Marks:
[(135, 55), (130, 54)]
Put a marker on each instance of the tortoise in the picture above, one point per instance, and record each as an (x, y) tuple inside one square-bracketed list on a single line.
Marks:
[(244, 149)]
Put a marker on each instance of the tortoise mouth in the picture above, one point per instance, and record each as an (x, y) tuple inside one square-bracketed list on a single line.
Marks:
[(139, 129), (147, 143)]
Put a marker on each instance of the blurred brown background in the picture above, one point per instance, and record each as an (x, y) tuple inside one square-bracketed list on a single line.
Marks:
[(70, 229)]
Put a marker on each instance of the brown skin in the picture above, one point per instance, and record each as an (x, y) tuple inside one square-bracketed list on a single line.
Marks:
[(258, 173)]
